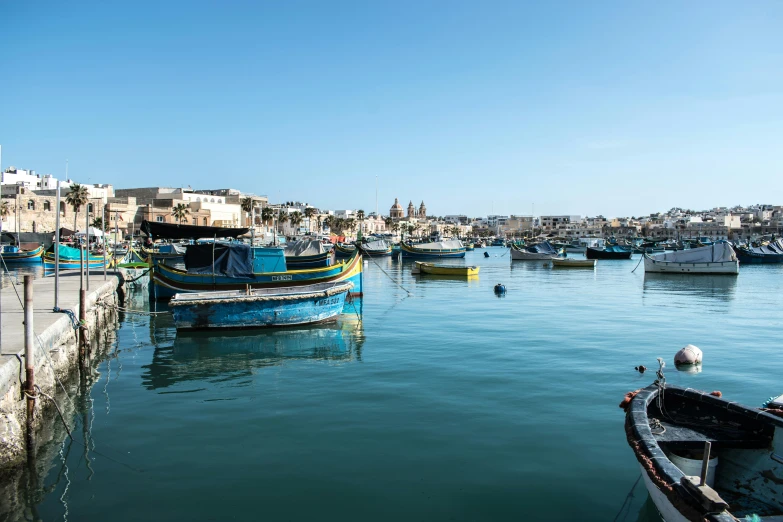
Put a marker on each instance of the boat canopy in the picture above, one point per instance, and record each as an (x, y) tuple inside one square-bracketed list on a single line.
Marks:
[(231, 259), (544, 247), (173, 231), (450, 244), (66, 252), (304, 247), (376, 246), (773, 247), (719, 252)]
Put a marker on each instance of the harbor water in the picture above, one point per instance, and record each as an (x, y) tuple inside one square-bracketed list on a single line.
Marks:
[(444, 402)]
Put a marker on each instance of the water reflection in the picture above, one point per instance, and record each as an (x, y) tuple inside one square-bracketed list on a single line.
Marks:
[(721, 287), (16, 273), (196, 356)]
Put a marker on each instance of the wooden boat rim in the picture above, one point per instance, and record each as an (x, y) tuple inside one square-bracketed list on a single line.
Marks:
[(261, 294)]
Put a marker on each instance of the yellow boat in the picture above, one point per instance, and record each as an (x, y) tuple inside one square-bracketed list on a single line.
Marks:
[(573, 263), (432, 269)]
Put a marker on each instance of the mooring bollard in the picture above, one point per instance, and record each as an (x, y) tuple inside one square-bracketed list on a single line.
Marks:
[(705, 463)]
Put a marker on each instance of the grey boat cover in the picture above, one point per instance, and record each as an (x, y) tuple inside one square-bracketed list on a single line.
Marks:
[(718, 252), (376, 246), (773, 247), (231, 260), (304, 247), (544, 247), (450, 244)]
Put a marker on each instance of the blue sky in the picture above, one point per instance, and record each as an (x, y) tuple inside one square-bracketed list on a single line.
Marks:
[(619, 108)]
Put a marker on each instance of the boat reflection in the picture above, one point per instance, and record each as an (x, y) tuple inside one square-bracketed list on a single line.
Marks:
[(195, 356), (720, 287)]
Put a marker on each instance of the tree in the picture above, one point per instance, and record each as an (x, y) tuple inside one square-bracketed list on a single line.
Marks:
[(5, 209), (180, 213), (76, 197), (296, 219), (267, 215), (97, 223), (282, 218), (309, 212), (247, 205), (360, 218), (329, 222), (388, 222), (350, 224)]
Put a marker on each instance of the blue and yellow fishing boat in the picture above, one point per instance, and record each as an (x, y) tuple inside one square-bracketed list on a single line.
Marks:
[(70, 259), (15, 255), (261, 307), (168, 281), (342, 250), (439, 249)]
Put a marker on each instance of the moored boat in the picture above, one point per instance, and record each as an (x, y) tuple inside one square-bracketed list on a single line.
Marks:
[(567, 262), (609, 252), (168, 281), (135, 275), (71, 258), (450, 270), (764, 253), (543, 251), (13, 254), (449, 248), (667, 428), (344, 250), (307, 254), (378, 248), (257, 308), (719, 258)]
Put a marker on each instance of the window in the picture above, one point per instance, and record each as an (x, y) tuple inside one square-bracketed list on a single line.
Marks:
[(220, 200), (31, 205), (205, 222), (159, 219), (89, 207), (198, 200), (62, 207), (47, 206), (212, 200)]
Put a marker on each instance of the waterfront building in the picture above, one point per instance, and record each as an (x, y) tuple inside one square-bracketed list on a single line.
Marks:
[(30, 180)]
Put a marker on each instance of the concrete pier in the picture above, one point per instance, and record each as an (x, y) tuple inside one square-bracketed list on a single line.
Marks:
[(54, 333)]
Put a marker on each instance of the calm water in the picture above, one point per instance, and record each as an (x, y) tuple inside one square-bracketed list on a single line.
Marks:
[(448, 404)]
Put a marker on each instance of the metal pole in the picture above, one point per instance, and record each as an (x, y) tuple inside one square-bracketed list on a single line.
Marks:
[(87, 244), (103, 231), (29, 352), (57, 251), (116, 235)]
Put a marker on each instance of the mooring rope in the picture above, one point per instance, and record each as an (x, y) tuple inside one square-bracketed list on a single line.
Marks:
[(390, 277), (637, 264), (627, 502)]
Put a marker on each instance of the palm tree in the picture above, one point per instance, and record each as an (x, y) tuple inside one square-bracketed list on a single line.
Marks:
[(296, 219), (395, 227), (282, 218), (247, 205), (267, 215), (76, 197), (350, 224), (180, 211), (329, 222), (339, 224), (309, 212), (388, 222), (97, 223)]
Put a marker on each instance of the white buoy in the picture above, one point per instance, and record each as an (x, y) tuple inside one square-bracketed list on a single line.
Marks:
[(688, 355)]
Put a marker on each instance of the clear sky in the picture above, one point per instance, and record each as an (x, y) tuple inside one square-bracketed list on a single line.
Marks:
[(576, 107)]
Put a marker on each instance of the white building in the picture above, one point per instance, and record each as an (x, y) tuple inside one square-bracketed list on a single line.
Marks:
[(30, 180)]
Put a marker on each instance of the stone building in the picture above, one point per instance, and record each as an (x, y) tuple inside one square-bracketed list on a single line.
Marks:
[(396, 212)]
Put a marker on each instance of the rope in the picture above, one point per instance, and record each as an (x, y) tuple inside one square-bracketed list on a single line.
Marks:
[(137, 278), (390, 277), (70, 313), (60, 413), (639, 263), (627, 500)]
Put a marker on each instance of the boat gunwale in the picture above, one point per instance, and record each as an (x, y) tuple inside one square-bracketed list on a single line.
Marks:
[(221, 296)]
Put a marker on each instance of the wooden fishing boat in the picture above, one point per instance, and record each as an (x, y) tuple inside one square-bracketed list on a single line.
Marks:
[(439, 249), (344, 250), (667, 428), (135, 275), (609, 252), (257, 308), (449, 270), (70, 259), (306, 254), (573, 263), (542, 251), (765, 253), (168, 281), (13, 254), (469, 247), (376, 248), (718, 258)]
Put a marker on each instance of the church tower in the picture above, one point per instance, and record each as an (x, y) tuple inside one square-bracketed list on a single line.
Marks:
[(422, 211), (411, 210)]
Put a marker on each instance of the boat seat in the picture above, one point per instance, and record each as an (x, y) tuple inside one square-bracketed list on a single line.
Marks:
[(684, 437)]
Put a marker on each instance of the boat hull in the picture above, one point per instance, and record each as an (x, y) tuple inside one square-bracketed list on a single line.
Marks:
[(23, 257), (665, 508), (74, 264), (518, 255), (343, 252), (212, 310), (135, 276), (462, 271), (167, 281), (573, 263), (667, 267), (314, 261), (752, 258)]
